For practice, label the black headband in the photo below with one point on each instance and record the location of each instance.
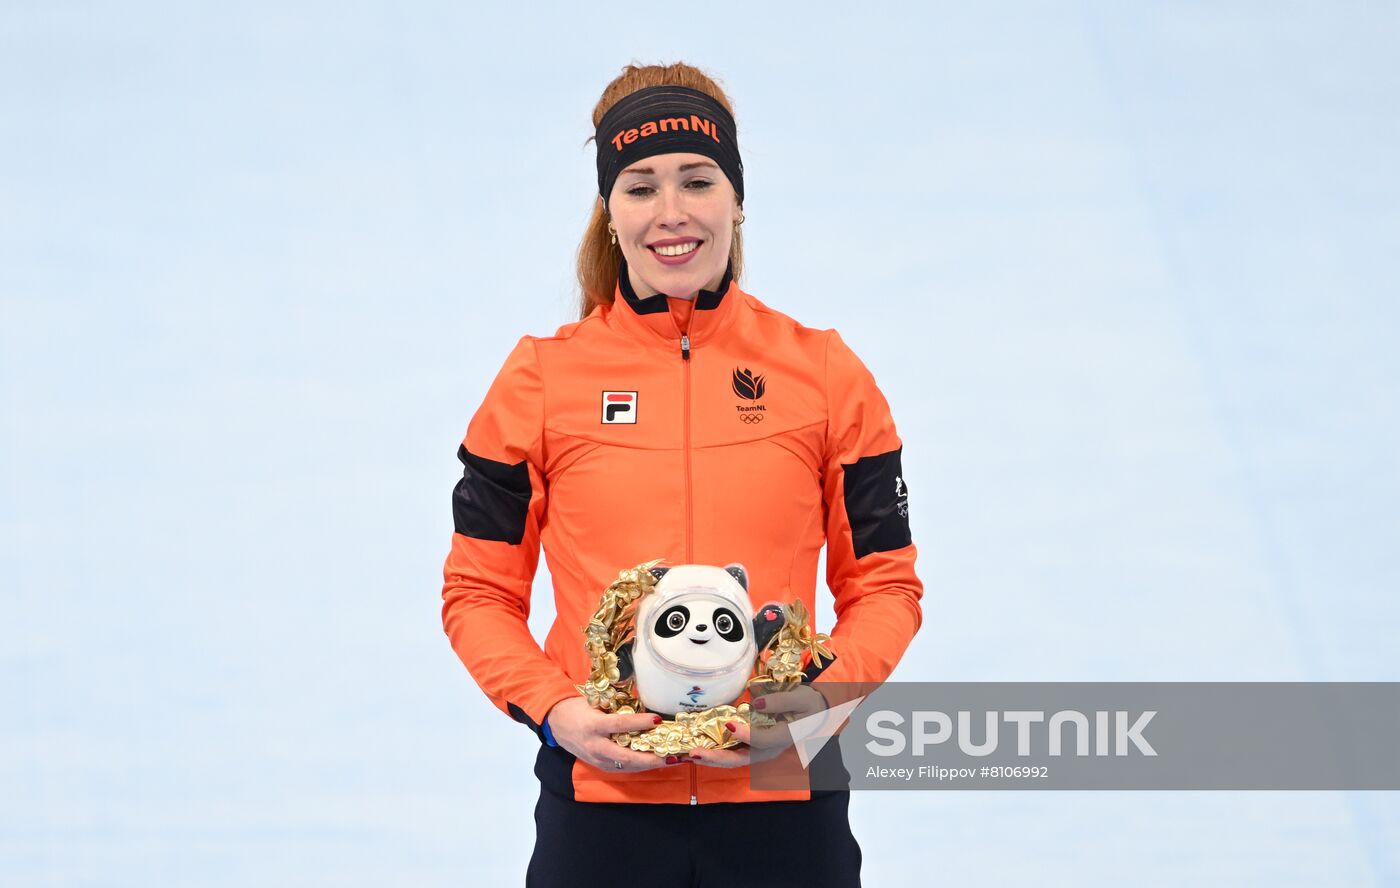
(666, 120)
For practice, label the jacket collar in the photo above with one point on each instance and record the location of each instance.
(651, 318)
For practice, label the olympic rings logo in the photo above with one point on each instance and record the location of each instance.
(751, 418)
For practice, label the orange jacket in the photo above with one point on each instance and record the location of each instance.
(706, 432)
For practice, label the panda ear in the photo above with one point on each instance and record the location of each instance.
(738, 572)
(658, 572)
(624, 661)
(767, 623)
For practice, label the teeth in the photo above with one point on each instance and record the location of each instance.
(677, 249)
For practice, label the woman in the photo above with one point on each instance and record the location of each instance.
(679, 418)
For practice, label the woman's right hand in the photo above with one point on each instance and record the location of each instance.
(583, 731)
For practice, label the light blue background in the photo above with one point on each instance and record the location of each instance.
(1126, 273)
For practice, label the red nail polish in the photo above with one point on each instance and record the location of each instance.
(656, 719)
(731, 727)
(760, 703)
(672, 759)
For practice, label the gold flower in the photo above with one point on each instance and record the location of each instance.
(607, 667)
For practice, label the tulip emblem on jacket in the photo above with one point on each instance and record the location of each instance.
(749, 387)
(746, 385)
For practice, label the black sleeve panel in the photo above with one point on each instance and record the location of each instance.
(813, 670)
(877, 503)
(519, 715)
(492, 499)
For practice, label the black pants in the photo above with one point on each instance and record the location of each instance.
(724, 845)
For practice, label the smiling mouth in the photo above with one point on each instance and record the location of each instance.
(676, 249)
(699, 641)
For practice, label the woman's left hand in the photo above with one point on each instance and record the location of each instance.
(766, 743)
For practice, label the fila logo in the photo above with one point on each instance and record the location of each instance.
(675, 124)
(619, 407)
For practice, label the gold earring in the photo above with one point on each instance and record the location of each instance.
(612, 231)
(740, 222)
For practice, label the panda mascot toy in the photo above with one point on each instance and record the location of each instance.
(696, 639)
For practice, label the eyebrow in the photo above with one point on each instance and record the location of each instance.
(648, 171)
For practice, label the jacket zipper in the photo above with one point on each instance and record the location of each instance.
(689, 504)
(689, 519)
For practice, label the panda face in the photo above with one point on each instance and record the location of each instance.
(701, 632)
(721, 621)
